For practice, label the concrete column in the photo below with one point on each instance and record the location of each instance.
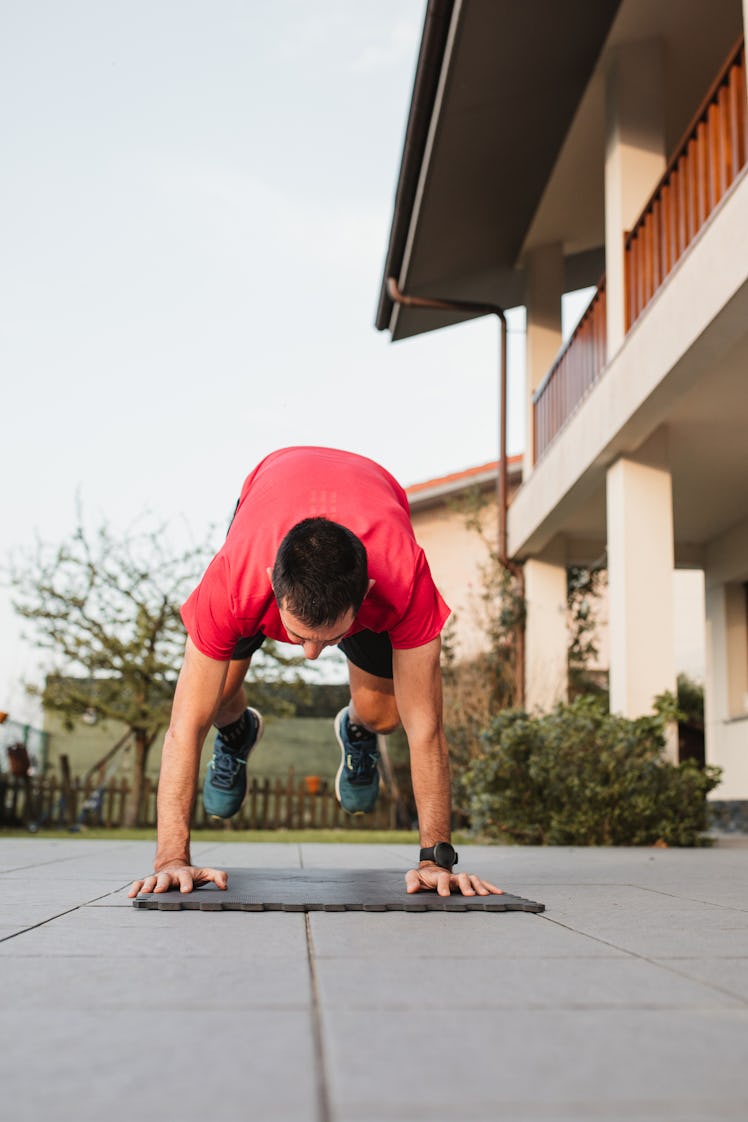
(546, 634)
(716, 705)
(635, 160)
(726, 686)
(545, 286)
(640, 578)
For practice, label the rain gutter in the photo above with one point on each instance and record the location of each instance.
(481, 309)
(436, 27)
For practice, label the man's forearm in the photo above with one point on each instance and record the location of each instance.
(418, 691)
(429, 767)
(176, 797)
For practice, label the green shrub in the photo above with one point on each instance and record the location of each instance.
(582, 776)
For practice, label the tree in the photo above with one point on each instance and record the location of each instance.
(476, 689)
(106, 607)
(584, 588)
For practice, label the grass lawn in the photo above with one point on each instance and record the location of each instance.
(307, 744)
(340, 837)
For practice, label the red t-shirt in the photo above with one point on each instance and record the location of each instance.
(235, 599)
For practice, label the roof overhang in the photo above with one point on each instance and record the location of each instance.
(462, 206)
(434, 492)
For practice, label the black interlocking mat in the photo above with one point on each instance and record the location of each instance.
(324, 890)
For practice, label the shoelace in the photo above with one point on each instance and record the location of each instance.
(225, 767)
(361, 761)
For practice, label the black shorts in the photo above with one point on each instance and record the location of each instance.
(368, 650)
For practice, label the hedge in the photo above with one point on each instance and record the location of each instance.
(582, 776)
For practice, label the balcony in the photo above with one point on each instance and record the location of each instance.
(706, 163)
(575, 371)
(710, 158)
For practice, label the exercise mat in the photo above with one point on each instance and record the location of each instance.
(324, 890)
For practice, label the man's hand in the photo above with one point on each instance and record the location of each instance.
(177, 875)
(430, 877)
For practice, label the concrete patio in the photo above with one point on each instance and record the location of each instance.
(626, 1001)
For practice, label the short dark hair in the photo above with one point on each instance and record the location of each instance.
(320, 572)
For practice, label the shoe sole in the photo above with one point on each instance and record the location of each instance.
(338, 723)
(260, 730)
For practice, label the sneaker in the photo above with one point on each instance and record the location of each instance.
(226, 778)
(357, 781)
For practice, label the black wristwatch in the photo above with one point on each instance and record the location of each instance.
(442, 854)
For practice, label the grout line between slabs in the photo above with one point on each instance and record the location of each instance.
(657, 962)
(323, 1094)
(58, 915)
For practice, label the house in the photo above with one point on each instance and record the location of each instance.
(440, 510)
(602, 144)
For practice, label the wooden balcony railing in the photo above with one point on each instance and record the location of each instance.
(576, 369)
(708, 160)
(711, 156)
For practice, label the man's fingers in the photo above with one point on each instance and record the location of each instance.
(476, 886)
(183, 877)
(444, 882)
(163, 881)
(412, 881)
(492, 889)
(218, 877)
(466, 884)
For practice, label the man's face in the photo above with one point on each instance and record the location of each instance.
(313, 640)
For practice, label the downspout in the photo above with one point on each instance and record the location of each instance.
(399, 297)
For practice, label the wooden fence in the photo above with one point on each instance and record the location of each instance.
(271, 804)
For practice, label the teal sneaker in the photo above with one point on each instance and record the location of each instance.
(357, 781)
(226, 778)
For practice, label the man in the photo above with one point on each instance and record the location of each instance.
(320, 552)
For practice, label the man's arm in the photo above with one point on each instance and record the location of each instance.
(418, 692)
(196, 700)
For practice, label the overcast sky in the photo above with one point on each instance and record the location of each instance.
(196, 200)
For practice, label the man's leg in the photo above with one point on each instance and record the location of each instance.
(373, 703)
(239, 730)
(372, 711)
(233, 701)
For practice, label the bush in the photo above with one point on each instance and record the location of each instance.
(582, 776)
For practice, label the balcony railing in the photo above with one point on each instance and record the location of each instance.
(708, 160)
(711, 156)
(576, 369)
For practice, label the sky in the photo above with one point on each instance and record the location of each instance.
(195, 207)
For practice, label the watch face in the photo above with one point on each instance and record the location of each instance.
(445, 855)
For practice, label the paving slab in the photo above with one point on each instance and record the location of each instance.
(627, 999)
(130, 933)
(154, 1065)
(510, 984)
(411, 936)
(647, 922)
(553, 1064)
(729, 975)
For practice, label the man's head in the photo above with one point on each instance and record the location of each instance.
(320, 573)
